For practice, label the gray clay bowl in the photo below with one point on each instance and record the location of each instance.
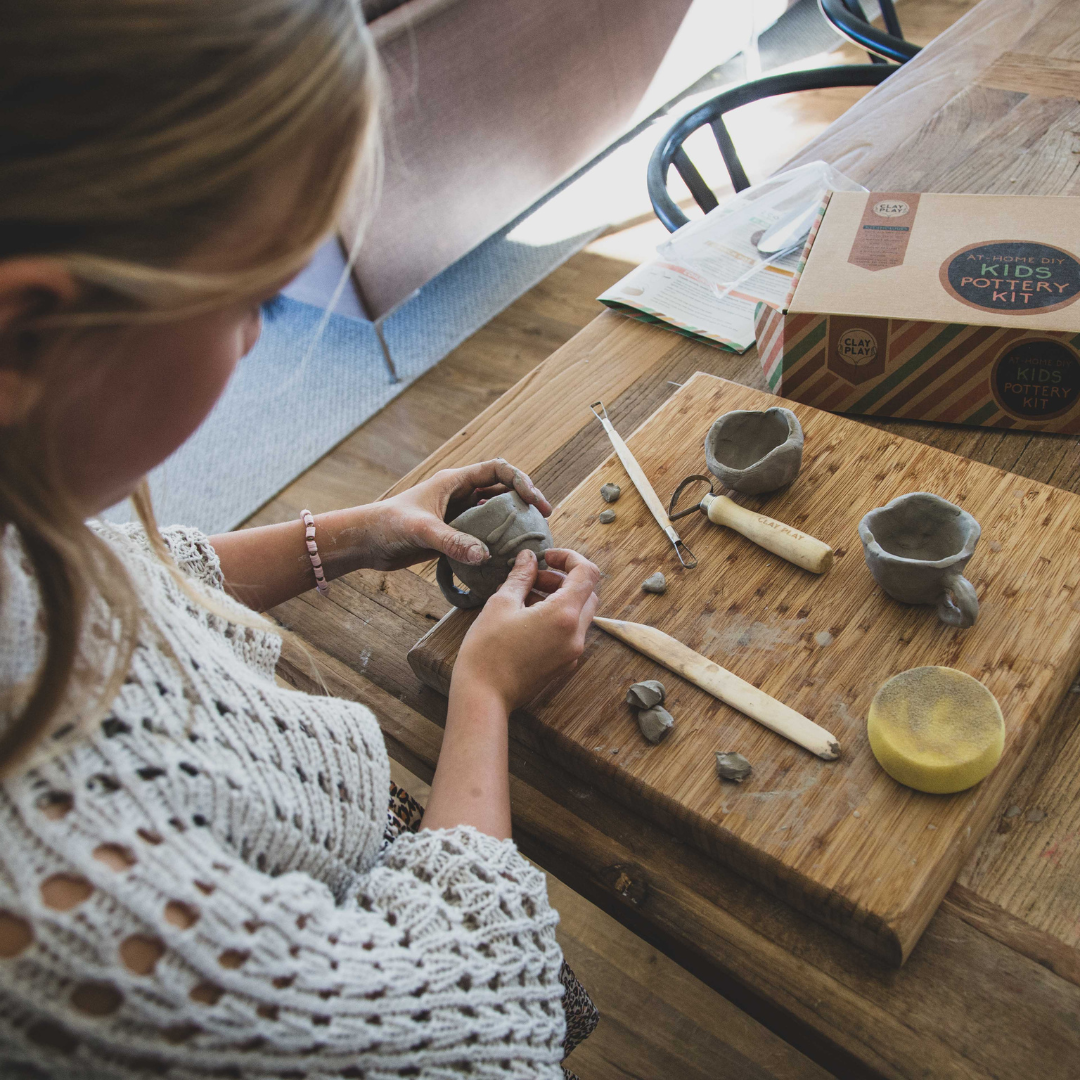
(916, 547)
(754, 452)
(506, 524)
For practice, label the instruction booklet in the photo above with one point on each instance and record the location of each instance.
(711, 275)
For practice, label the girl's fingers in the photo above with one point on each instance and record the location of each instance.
(497, 471)
(588, 610)
(549, 581)
(521, 579)
(561, 558)
(438, 536)
(582, 576)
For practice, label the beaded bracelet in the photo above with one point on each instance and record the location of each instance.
(313, 552)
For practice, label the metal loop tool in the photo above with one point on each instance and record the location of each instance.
(783, 540)
(696, 478)
(645, 489)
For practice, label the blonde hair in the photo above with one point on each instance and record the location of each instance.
(131, 133)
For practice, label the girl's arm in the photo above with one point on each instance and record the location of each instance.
(515, 647)
(265, 566)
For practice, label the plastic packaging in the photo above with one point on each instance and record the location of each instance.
(722, 248)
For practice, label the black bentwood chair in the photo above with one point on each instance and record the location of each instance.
(670, 149)
(848, 19)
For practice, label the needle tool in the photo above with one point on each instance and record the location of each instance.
(645, 489)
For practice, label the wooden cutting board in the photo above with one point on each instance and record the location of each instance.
(840, 840)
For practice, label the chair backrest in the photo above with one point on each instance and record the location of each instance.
(669, 151)
(849, 19)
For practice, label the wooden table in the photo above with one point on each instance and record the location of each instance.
(993, 987)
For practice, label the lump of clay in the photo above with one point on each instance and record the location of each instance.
(917, 547)
(506, 524)
(647, 694)
(655, 723)
(754, 452)
(936, 729)
(607, 517)
(610, 493)
(657, 583)
(732, 767)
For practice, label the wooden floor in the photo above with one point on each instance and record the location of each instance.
(658, 1021)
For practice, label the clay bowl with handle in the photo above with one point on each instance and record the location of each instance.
(917, 547)
(506, 523)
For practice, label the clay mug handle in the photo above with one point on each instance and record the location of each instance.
(444, 575)
(958, 606)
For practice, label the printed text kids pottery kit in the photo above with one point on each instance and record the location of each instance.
(960, 308)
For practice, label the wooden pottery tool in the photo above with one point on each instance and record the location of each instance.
(783, 540)
(645, 489)
(723, 684)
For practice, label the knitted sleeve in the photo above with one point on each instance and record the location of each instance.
(172, 955)
(191, 549)
(194, 554)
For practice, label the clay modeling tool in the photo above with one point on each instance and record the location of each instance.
(645, 489)
(783, 540)
(722, 684)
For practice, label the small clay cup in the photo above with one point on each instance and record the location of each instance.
(506, 524)
(754, 452)
(917, 547)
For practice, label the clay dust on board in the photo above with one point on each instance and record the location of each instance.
(742, 633)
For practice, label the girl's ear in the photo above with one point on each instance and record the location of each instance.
(29, 288)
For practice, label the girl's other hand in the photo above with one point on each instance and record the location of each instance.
(411, 527)
(522, 640)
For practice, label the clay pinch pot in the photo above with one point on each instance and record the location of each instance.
(917, 547)
(754, 452)
(506, 523)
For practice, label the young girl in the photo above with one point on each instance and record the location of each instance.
(191, 880)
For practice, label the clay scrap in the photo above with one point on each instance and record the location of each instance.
(607, 517)
(506, 524)
(732, 767)
(754, 452)
(610, 493)
(656, 583)
(655, 723)
(647, 694)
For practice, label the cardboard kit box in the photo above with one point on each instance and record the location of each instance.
(958, 308)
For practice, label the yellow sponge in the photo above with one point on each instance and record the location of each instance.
(936, 729)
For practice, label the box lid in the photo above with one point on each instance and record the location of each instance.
(991, 260)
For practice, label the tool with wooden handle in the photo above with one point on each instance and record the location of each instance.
(645, 489)
(783, 540)
(722, 684)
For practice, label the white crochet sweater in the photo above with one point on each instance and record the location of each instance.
(194, 887)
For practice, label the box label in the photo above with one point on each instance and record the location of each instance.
(1014, 276)
(857, 347)
(882, 237)
(1036, 379)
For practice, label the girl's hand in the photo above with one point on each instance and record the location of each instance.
(411, 527)
(266, 566)
(520, 641)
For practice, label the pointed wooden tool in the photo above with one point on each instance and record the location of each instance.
(722, 684)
